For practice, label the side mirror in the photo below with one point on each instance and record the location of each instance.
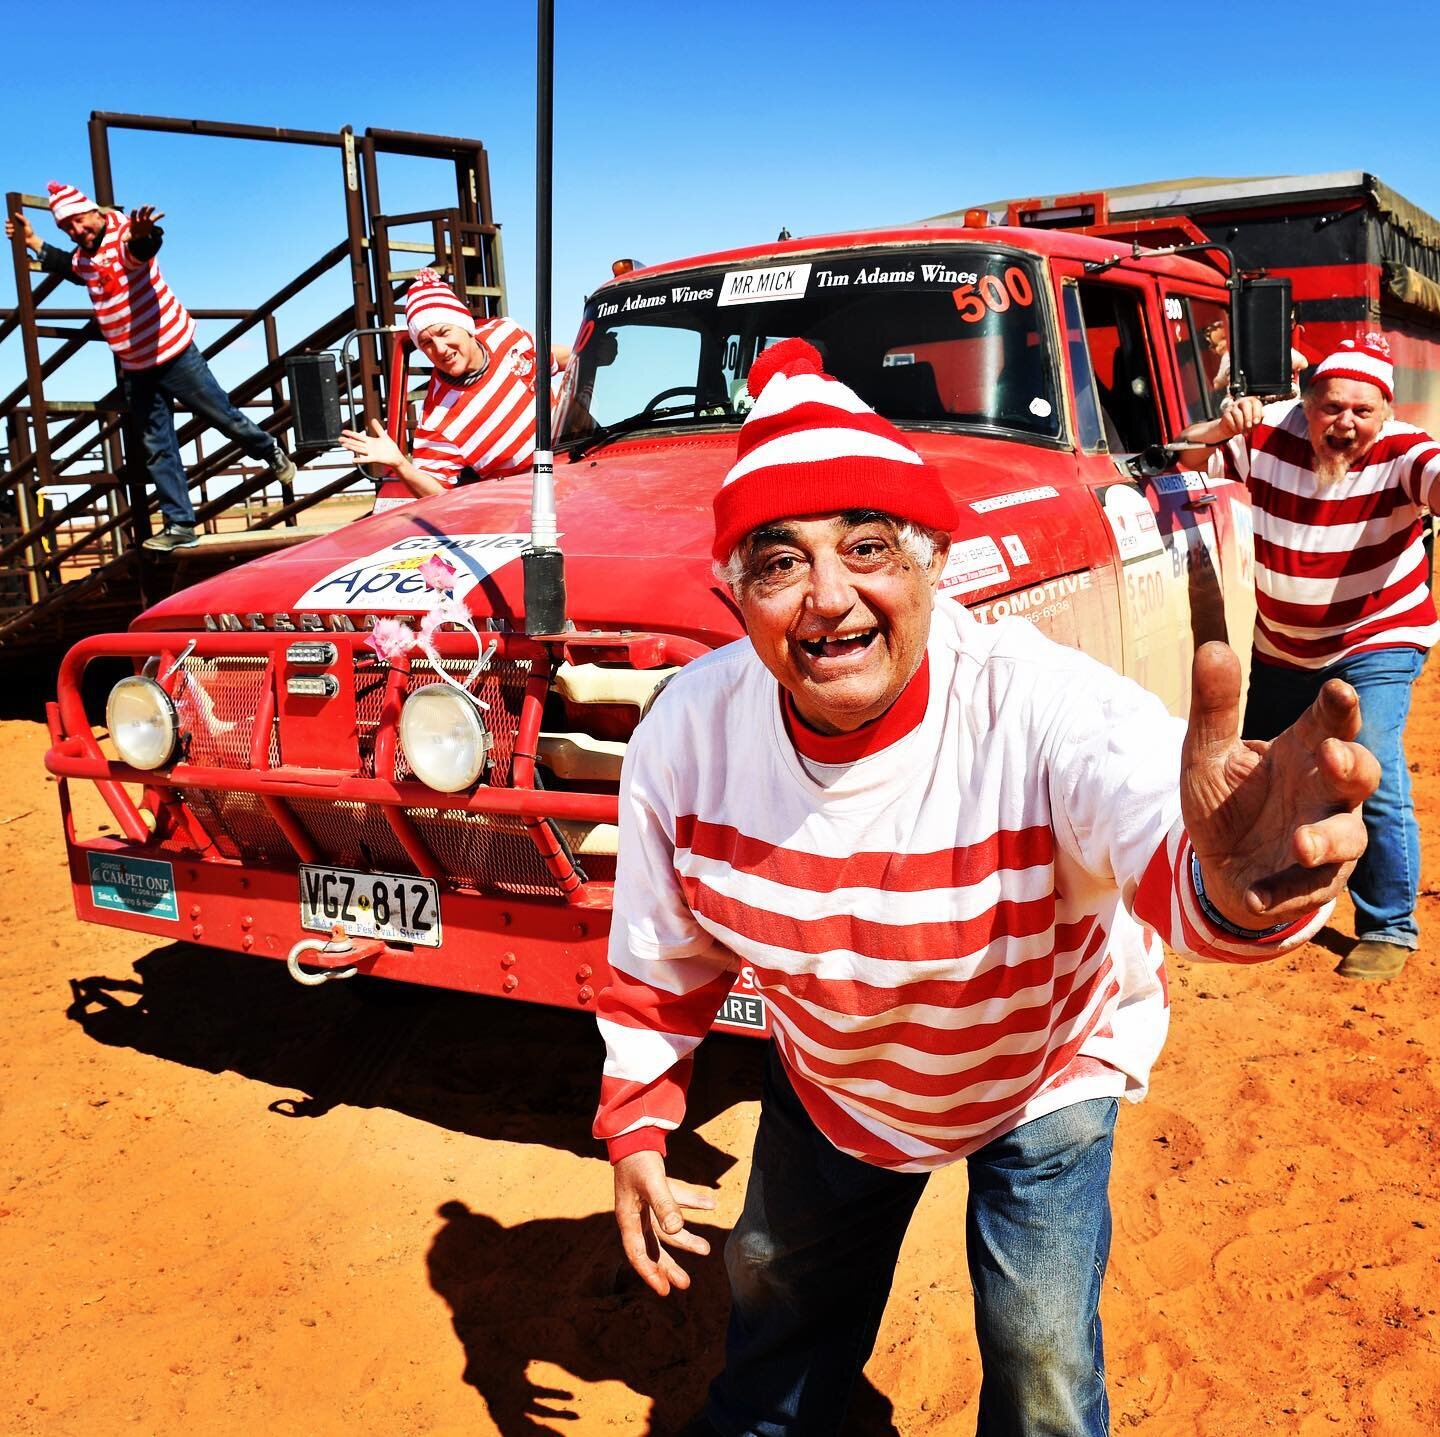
(314, 385)
(1260, 333)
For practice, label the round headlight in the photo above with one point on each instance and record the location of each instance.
(142, 723)
(443, 738)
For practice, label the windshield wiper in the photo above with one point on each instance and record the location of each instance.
(645, 419)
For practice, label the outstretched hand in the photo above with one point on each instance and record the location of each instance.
(376, 447)
(143, 221)
(647, 1208)
(1276, 826)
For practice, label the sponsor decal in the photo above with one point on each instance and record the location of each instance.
(743, 1010)
(973, 564)
(1015, 548)
(760, 286)
(1132, 523)
(1178, 483)
(1020, 496)
(606, 309)
(390, 577)
(143, 886)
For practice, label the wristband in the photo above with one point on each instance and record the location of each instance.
(1250, 935)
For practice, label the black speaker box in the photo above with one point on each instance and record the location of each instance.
(314, 385)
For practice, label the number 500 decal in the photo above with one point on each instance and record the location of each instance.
(992, 294)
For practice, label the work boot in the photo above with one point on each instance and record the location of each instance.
(282, 466)
(173, 536)
(1374, 960)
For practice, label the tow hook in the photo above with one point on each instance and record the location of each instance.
(336, 944)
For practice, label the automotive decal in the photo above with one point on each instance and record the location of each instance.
(1040, 602)
(1020, 496)
(973, 564)
(760, 286)
(390, 577)
(142, 886)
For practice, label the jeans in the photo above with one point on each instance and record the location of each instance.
(1386, 880)
(187, 380)
(813, 1256)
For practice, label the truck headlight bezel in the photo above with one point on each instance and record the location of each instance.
(443, 738)
(143, 724)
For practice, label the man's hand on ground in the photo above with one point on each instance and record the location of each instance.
(1276, 826)
(144, 220)
(647, 1208)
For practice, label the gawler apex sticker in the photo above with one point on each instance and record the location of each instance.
(390, 577)
(756, 286)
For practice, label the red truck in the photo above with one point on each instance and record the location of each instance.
(281, 790)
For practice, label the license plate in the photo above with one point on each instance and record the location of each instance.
(371, 905)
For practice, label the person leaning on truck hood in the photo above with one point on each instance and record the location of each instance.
(479, 411)
(1338, 489)
(948, 852)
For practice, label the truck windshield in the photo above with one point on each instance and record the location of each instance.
(948, 337)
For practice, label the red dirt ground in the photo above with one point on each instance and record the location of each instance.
(231, 1205)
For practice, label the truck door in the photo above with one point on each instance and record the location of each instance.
(1165, 545)
(1197, 331)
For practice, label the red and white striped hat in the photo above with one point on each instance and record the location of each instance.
(813, 446)
(66, 200)
(431, 301)
(1367, 359)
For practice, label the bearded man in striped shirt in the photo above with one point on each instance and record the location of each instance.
(153, 338)
(478, 420)
(943, 851)
(1339, 489)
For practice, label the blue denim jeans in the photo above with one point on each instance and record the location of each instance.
(1387, 878)
(187, 380)
(813, 1255)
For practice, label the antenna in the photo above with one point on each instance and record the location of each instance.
(543, 563)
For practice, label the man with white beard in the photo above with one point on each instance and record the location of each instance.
(1339, 488)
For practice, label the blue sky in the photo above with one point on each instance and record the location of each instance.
(681, 128)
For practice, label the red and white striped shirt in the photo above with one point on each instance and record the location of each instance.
(487, 426)
(138, 313)
(1339, 568)
(942, 926)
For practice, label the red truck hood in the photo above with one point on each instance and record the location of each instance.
(635, 524)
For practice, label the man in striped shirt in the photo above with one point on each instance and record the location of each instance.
(941, 852)
(478, 419)
(1339, 489)
(153, 338)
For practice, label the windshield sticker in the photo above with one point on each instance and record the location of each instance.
(994, 294)
(1040, 408)
(632, 302)
(1016, 549)
(1020, 496)
(974, 564)
(759, 286)
(390, 578)
(142, 886)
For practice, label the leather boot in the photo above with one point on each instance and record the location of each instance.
(1374, 960)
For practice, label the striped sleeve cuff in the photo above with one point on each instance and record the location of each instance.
(1169, 901)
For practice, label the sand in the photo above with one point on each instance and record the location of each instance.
(232, 1205)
